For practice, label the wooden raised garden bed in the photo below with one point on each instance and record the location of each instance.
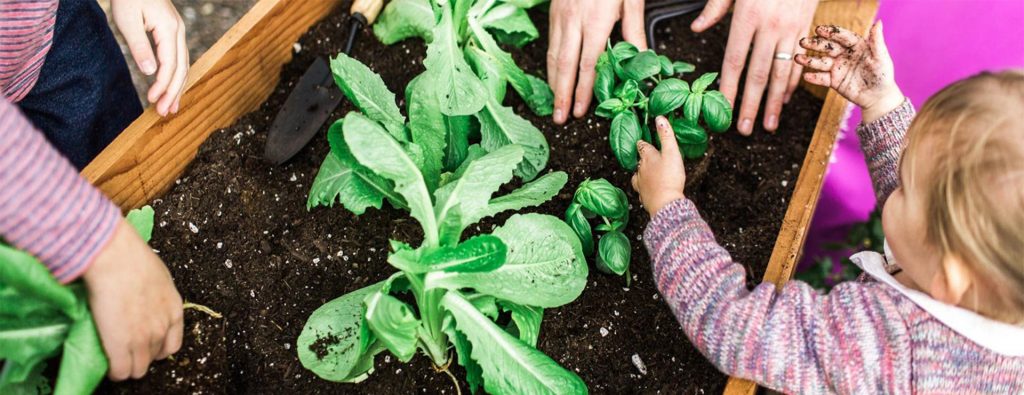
(242, 70)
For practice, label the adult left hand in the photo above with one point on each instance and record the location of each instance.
(774, 27)
(136, 20)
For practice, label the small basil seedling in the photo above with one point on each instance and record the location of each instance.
(600, 199)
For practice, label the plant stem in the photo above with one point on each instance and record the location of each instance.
(204, 309)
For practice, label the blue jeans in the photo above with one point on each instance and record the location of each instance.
(84, 96)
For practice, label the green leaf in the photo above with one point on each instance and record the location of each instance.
(602, 198)
(621, 52)
(509, 365)
(541, 100)
(329, 344)
(500, 126)
(83, 363)
(527, 320)
(457, 141)
(703, 82)
(623, 137)
(693, 141)
(26, 275)
(691, 109)
(366, 90)
(31, 380)
(644, 65)
(142, 220)
(545, 266)
(489, 70)
(428, 128)
(667, 69)
(535, 92)
(683, 67)
(579, 225)
(341, 178)
(478, 254)
(628, 92)
(393, 322)
(402, 19)
(510, 25)
(613, 253)
(533, 193)
(716, 111)
(378, 151)
(667, 96)
(448, 76)
(525, 4)
(484, 176)
(604, 82)
(609, 108)
(464, 350)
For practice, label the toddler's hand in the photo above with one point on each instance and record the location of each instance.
(138, 311)
(860, 70)
(135, 18)
(660, 176)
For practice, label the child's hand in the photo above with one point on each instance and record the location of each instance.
(860, 70)
(138, 311)
(660, 176)
(135, 18)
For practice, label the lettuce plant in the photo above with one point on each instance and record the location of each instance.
(599, 198)
(631, 83)
(452, 292)
(40, 318)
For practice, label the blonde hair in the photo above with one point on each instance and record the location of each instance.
(975, 196)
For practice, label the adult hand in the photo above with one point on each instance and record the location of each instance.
(660, 176)
(137, 310)
(774, 28)
(136, 20)
(579, 32)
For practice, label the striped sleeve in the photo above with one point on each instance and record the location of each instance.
(26, 32)
(793, 340)
(883, 141)
(46, 208)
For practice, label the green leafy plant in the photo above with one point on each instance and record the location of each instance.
(599, 198)
(457, 97)
(631, 85)
(863, 236)
(40, 318)
(482, 296)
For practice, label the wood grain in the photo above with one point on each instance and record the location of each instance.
(856, 15)
(231, 79)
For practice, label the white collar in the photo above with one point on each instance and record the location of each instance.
(999, 337)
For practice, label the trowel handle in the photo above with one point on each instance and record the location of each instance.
(368, 8)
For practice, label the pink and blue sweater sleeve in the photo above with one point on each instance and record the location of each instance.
(793, 339)
(46, 208)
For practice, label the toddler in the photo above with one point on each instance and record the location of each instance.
(940, 312)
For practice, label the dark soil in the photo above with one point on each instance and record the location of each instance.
(237, 236)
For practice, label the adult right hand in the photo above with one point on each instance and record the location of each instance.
(137, 310)
(579, 31)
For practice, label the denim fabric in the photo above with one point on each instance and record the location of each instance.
(84, 97)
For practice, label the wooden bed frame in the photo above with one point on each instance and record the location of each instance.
(238, 73)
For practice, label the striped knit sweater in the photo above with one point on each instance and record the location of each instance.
(46, 208)
(862, 337)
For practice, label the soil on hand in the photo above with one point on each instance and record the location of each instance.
(238, 238)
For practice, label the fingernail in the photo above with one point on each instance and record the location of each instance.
(773, 122)
(578, 110)
(699, 22)
(148, 67)
(662, 122)
(175, 108)
(786, 100)
(745, 125)
(559, 115)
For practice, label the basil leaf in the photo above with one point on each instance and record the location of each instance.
(613, 253)
(683, 67)
(716, 111)
(608, 108)
(693, 141)
(667, 96)
(667, 69)
(644, 65)
(578, 222)
(602, 198)
(703, 82)
(623, 137)
(628, 92)
(691, 109)
(604, 83)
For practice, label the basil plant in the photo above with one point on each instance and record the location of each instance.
(632, 85)
(600, 199)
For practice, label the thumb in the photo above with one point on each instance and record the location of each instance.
(669, 145)
(713, 12)
(878, 40)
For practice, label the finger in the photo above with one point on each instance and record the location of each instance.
(736, 49)
(566, 67)
(172, 342)
(819, 78)
(821, 44)
(134, 32)
(878, 41)
(554, 40)
(846, 38)
(815, 63)
(794, 74)
(779, 82)
(758, 75)
(713, 12)
(165, 38)
(174, 90)
(593, 44)
(633, 23)
(646, 151)
(140, 360)
(669, 145)
(636, 182)
(120, 362)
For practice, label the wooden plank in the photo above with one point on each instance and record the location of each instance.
(232, 78)
(856, 15)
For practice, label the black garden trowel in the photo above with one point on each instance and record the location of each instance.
(314, 97)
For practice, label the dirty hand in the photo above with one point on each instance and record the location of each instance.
(578, 35)
(860, 70)
(137, 310)
(137, 18)
(660, 176)
(774, 28)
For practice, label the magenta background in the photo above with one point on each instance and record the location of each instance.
(933, 43)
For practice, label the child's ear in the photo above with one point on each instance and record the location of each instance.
(952, 280)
